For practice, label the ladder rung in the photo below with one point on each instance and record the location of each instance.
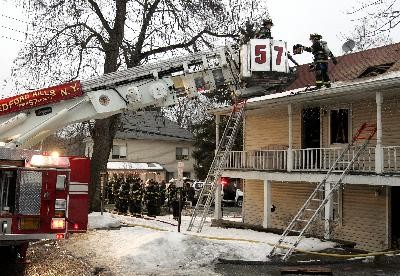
(295, 231)
(316, 199)
(302, 220)
(310, 210)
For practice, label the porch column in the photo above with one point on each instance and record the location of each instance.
(378, 148)
(328, 211)
(218, 198)
(267, 204)
(290, 142)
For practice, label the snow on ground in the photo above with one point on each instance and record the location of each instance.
(151, 247)
(105, 221)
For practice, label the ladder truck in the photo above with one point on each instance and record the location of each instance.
(45, 196)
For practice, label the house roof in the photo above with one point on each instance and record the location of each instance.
(151, 125)
(352, 65)
(345, 78)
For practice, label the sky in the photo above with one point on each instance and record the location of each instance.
(293, 22)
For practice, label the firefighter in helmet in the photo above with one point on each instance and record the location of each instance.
(135, 196)
(151, 198)
(173, 199)
(265, 29)
(116, 184)
(321, 53)
(123, 196)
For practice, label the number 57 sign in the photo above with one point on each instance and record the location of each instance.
(268, 55)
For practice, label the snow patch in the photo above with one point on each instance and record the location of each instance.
(141, 249)
(105, 221)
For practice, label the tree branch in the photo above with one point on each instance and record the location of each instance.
(185, 44)
(98, 12)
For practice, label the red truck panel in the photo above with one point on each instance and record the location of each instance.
(78, 205)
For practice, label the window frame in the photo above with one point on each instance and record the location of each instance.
(119, 156)
(349, 125)
(183, 157)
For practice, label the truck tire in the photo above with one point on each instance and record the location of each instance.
(239, 202)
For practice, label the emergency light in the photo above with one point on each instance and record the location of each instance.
(48, 161)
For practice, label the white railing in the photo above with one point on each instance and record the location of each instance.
(391, 157)
(257, 160)
(313, 159)
(321, 159)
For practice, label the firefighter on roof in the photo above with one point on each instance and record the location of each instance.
(321, 54)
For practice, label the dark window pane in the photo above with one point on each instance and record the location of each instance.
(340, 126)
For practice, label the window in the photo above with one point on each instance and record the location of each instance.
(339, 126)
(186, 174)
(182, 153)
(375, 70)
(118, 152)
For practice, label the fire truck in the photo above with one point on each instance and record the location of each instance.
(46, 196)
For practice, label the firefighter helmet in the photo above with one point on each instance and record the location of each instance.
(315, 36)
(268, 22)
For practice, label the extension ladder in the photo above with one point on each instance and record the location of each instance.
(308, 212)
(207, 193)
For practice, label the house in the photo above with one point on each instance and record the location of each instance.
(292, 138)
(148, 140)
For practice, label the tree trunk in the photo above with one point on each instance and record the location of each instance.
(103, 136)
(105, 129)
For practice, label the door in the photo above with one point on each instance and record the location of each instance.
(311, 136)
(78, 194)
(395, 217)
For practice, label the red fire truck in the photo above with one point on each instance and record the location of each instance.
(46, 196)
(41, 197)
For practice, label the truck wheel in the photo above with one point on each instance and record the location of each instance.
(239, 202)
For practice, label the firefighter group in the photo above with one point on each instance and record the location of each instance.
(130, 194)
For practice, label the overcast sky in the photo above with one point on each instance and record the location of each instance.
(293, 22)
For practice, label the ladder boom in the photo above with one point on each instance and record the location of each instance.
(158, 84)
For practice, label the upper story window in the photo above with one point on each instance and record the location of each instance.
(339, 126)
(118, 152)
(182, 153)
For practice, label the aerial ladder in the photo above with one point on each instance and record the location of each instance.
(27, 119)
(320, 197)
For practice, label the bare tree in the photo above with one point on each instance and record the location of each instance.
(375, 20)
(82, 38)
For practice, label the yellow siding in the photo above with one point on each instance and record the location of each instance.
(365, 111)
(253, 205)
(288, 199)
(364, 217)
(268, 129)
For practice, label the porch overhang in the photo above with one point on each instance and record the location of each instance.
(373, 179)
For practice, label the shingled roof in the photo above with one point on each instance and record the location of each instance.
(151, 125)
(352, 66)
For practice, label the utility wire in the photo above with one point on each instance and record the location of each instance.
(13, 18)
(12, 29)
(10, 38)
